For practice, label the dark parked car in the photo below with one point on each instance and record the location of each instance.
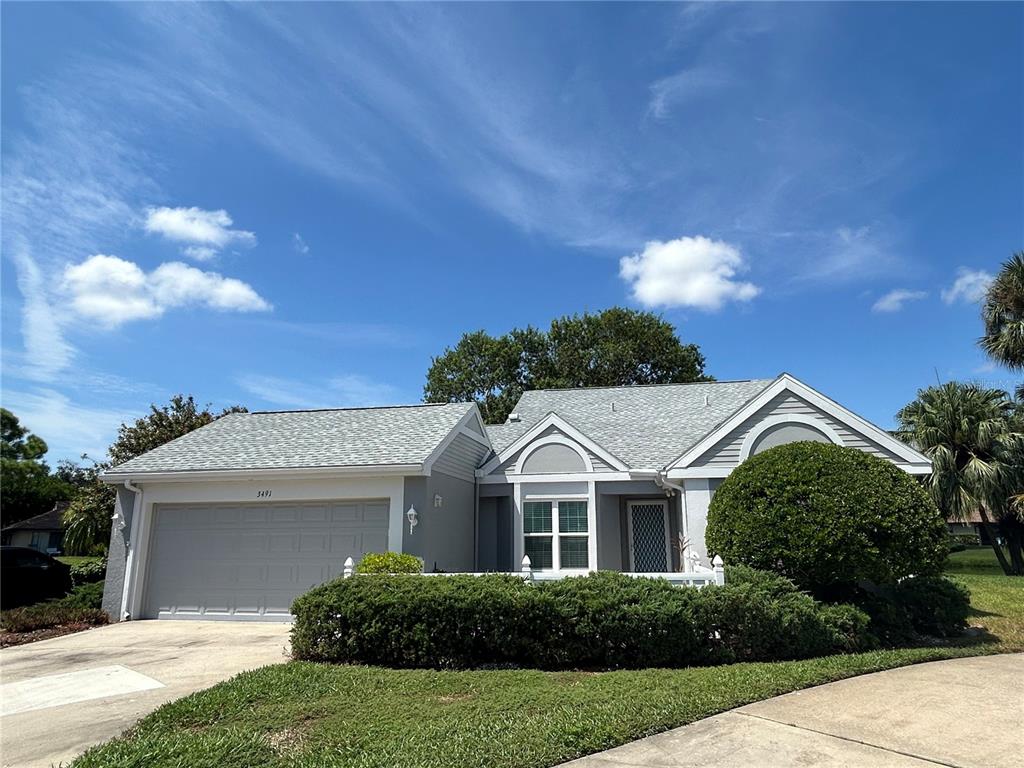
(30, 577)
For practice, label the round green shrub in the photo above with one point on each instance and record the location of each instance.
(389, 562)
(826, 517)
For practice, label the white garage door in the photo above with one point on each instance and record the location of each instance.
(250, 561)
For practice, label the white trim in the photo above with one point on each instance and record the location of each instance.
(569, 477)
(556, 534)
(552, 419)
(458, 429)
(629, 527)
(476, 437)
(199, 475)
(556, 496)
(783, 418)
(699, 472)
(592, 525)
(787, 383)
(553, 440)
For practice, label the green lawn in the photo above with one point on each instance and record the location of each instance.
(305, 714)
(74, 560)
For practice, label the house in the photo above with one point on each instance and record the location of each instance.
(972, 525)
(237, 518)
(44, 532)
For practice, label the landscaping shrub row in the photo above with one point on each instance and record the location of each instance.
(600, 621)
(80, 606)
(88, 572)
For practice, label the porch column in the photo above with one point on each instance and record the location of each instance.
(517, 525)
(695, 506)
(592, 524)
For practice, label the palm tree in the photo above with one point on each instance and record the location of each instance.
(968, 432)
(1003, 313)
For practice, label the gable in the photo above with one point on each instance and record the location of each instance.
(810, 422)
(552, 457)
(461, 458)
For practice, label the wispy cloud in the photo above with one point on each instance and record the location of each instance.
(894, 300)
(669, 93)
(342, 391)
(299, 245)
(687, 272)
(969, 286)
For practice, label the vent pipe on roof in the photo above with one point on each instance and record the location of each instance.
(705, 401)
(514, 418)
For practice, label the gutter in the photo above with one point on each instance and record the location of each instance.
(129, 565)
(117, 478)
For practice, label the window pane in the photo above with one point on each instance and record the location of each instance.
(538, 549)
(537, 517)
(572, 551)
(572, 516)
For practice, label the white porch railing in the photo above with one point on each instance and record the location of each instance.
(697, 578)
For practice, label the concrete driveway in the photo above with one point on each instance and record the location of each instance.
(961, 713)
(61, 696)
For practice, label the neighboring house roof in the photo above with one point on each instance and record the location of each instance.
(347, 437)
(646, 426)
(974, 518)
(48, 521)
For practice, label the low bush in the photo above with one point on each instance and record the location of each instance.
(827, 517)
(603, 620)
(917, 608)
(389, 562)
(88, 572)
(82, 605)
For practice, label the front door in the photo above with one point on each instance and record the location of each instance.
(648, 536)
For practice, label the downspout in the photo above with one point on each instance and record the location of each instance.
(129, 568)
(662, 481)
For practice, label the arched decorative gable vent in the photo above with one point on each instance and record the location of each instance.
(552, 455)
(787, 428)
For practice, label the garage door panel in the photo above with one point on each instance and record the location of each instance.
(224, 561)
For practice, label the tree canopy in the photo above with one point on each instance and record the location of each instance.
(610, 348)
(973, 436)
(1003, 314)
(28, 488)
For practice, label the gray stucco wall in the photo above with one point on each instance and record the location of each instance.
(444, 536)
(494, 551)
(117, 555)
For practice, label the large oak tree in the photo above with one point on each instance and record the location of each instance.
(615, 347)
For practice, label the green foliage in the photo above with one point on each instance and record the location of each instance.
(826, 516)
(89, 571)
(389, 562)
(1003, 314)
(161, 425)
(975, 440)
(603, 620)
(614, 347)
(87, 518)
(28, 488)
(80, 606)
(922, 606)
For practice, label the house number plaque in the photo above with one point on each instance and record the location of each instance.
(263, 494)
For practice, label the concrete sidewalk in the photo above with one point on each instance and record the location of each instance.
(60, 696)
(963, 713)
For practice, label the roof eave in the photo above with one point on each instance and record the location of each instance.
(114, 477)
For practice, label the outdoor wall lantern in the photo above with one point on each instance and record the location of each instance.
(438, 501)
(413, 517)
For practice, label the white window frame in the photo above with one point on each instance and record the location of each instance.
(556, 533)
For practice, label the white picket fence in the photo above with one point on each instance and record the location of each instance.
(698, 577)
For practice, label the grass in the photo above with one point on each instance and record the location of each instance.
(305, 714)
(74, 560)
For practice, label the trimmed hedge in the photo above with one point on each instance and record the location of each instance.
(88, 572)
(924, 606)
(389, 562)
(827, 517)
(600, 621)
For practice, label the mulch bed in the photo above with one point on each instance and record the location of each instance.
(8, 639)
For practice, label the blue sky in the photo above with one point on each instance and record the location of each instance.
(295, 205)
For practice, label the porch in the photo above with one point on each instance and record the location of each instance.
(631, 526)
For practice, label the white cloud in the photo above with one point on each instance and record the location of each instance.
(200, 252)
(112, 291)
(894, 300)
(68, 428)
(207, 231)
(969, 287)
(299, 244)
(343, 391)
(687, 272)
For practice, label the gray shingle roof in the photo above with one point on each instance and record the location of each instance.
(647, 427)
(351, 437)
